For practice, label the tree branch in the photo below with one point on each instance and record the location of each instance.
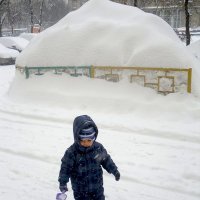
(1, 2)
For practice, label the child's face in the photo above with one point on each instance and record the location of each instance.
(86, 143)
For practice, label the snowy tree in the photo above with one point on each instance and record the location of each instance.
(3, 13)
(53, 12)
(35, 10)
(13, 15)
(42, 12)
(187, 22)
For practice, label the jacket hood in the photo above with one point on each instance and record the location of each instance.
(82, 122)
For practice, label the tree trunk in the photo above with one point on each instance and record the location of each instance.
(0, 30)
(1, 2)
(135, 3)
(2, 15)
(31, 14)
(41, 11)
(187, 23)
(2, 19)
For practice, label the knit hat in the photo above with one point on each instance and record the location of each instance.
(87, 133)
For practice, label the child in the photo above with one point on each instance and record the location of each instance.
(82, 162)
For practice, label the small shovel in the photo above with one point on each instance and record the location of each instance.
(61, 196)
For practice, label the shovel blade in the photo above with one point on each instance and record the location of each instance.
(61, 196)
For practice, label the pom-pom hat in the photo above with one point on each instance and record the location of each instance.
(87, 133)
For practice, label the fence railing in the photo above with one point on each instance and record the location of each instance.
(163, 80)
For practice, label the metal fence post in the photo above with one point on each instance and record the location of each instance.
(189, 82)
(26, 72)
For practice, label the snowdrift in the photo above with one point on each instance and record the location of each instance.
(104, 33)
(97, 96)
(194, 48)
(28, 36)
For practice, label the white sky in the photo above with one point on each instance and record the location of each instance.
(154, 139)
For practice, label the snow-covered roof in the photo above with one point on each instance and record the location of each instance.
(14, 42)
(7, 53)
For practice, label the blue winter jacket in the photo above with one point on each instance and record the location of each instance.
(83, 164)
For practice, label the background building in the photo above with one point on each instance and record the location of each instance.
(172, 11)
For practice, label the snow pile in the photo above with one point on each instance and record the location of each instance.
(99, 96)
(78, 92)
(7, 53)
(105, 33)
(194, 48)
(28, 36)
(14, 42)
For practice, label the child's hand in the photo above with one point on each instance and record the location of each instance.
(117, 176)
(63, 188)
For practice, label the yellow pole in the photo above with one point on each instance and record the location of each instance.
(93, 69)
(189, 82)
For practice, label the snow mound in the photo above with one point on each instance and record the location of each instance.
(96, 95)
(28, 36)
(194, 48)
(104, 33)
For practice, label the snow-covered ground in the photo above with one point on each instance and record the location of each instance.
(154, 139)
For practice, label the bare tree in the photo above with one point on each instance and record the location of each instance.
(135, 3)
(41, 11)
(1, 2)
(35, 12)
(31, 14)
(39, 18)
(13, 14)
(125, 2)
(187, 23)
(3, 13)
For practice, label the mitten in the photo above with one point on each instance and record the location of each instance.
(117, 175)
(63, 188)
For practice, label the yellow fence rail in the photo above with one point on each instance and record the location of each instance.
(163, 80)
